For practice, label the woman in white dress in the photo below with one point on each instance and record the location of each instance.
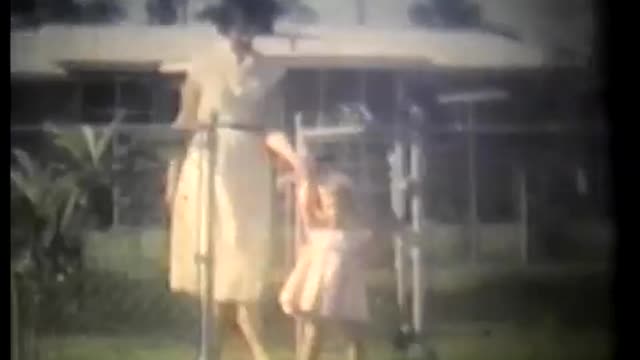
(235, 87)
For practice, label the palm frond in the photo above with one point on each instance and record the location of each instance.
(104, 140)
(26, 177)
(25, 162)
(70, 141)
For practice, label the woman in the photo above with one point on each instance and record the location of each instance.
(232, 87)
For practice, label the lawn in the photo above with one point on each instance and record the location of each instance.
(508, 344)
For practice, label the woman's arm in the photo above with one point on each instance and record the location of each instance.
(279, 146)
(186, 120)
(171, 182)
(189, 103)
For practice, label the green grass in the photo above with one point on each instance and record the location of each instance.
(542, 342)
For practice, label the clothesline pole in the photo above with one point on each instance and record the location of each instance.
(298, 231)
(205, 252)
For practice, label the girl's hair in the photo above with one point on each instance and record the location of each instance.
(340, 187)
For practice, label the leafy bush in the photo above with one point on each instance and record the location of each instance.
(50, 212)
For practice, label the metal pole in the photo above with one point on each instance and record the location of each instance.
(198, 258)
(298, 231)
(115, 189)
(205, 255)
(524, 216)
(471, 161)
(398, 190)
(416, 226)
(398, 194)
(416, 264)
(399, 252)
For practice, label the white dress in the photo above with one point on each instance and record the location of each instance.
(328, 280)
(244, 95)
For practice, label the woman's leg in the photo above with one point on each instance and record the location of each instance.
(223, 315)
(248, 318)
(312, 338)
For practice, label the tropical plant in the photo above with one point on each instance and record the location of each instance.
(49, 216)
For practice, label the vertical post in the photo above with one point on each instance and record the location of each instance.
(205, 252)
(417, 227)
(115, 190)
(298, 231)
(472, 191)
(524, 216)
(399, 255)
(398, 192)
(209, 249)
(416, 262)
(199, 260)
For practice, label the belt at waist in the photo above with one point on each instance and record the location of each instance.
(233, 126)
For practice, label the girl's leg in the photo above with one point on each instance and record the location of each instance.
(355, 350)
(312, 339)
(250, 323)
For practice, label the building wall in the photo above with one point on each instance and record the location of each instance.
(551, 160)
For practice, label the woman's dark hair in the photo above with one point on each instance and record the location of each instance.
(246, 16)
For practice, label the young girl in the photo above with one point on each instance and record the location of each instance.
(326, 286)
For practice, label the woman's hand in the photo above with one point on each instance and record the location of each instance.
(285, 156)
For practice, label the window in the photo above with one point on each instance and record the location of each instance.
(165, 101)
(380, 95)
(34, 102)
(343, 87)
(447, 180)
(99, 96)
(497, 198)
(132, 96)
(302, 94)
(135, 95)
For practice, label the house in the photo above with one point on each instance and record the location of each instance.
(90, 73)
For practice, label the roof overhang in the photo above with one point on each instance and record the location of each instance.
(55, 49)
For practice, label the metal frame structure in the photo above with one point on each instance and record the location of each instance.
(406, 165)
(407, 182)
